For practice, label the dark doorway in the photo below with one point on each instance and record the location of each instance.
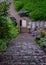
(20, 23)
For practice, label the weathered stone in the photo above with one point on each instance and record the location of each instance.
(44, 44)
(25, 52)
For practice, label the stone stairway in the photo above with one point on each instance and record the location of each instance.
(23, 51)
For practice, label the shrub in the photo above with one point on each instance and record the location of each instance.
(37, 8)
(42, 33)
(4, 6)
(18, 5)
(7, 29)
(4, 28)
(13, 30)
(41, 41)
(3, 44)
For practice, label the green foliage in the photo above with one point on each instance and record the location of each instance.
(3, 21)
(13, 30)
(3, 8)
(3, 28)
(41, 41)
(7, 31)
(37, 8)
(3, 44)
(7, 28)
(18, 5)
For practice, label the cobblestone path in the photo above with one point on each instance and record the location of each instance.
(23, 51)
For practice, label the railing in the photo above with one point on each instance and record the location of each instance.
(39, 25)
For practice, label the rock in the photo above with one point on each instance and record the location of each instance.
(44, 44)
(36, 51)
(1, 58)
(35, 33)
(37, 38)
(36, 59)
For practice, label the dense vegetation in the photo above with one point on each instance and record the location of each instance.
(7, 28)
(37, 8)
(41, 40)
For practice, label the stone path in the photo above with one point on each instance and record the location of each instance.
(13, 13)
(23, 51)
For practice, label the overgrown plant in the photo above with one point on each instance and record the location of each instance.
(7, 29)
